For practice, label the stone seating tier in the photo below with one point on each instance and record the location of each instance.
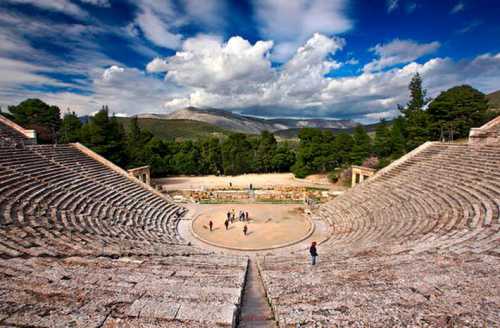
(418, 245)
(83, 246)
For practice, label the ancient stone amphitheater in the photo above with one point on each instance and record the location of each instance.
(84, 245)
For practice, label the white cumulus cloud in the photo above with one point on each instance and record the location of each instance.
(291, 23)
(399, 52)
(206, 62)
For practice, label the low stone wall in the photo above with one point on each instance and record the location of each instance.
(284, 194)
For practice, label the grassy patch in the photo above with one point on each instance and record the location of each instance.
(316, 189)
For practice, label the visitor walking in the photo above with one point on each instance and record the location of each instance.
(226, 224)
(210, 224)
(314, 253)
(245, 230)
(246, 216)
(228, 215)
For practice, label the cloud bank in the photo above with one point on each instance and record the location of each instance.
(296, 67)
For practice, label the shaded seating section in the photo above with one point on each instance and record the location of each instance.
(418, 245)
(63, 187)
(83, 246)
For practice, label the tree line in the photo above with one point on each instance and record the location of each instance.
(447, 117)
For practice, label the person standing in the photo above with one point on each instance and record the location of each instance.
(246, 216)
(245, 230)
(314, 253)
(226, 224)
(210, 224)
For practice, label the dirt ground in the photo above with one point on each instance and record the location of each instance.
(270, 180)
(268, 226)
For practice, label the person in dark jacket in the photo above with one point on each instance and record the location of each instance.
(245, 230)
(314, 253)
(226, 223)
(210, 224)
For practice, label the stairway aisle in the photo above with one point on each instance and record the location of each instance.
(255, 310)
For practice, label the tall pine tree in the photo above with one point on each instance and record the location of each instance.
(417, 120)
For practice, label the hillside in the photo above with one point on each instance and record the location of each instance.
(293, 133)
(246, 124)
(494, 99)
(185, 129)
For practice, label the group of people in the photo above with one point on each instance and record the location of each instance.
(243, 216)
(231, 217)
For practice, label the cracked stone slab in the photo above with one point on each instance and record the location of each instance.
(221, 315)
(153, 308)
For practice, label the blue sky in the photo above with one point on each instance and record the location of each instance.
(271, 58)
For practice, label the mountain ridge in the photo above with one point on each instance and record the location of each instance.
(494, 99)
(247, 124)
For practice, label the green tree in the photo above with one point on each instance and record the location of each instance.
(308, 151)
(361, 148)
(418, 95)
(187, 159)
(265, 152)
(398, 142)
(417, 119)
(456, 110)
(283, 158)
(106, 136)
(316, 152)
(418, 128)
(211, 155)
(382, 140)
(37, 115)
(70, 128)
(236, 154)
(342, 147)
(136, 142)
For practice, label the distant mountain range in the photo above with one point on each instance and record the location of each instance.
(195, 122)
(246, 124)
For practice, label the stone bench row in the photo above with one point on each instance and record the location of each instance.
(34, 186)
